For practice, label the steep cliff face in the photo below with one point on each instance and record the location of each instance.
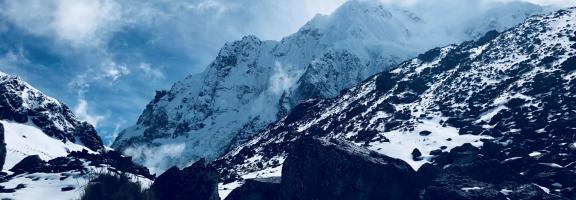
(252, 83)
(37, 124)
(514, 92)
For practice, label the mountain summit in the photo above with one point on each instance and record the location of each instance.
(252, 83)
(505, 99)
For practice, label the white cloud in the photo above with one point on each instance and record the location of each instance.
(117, 128)
(158, 158)
(75, 22)
(283, 78)
(85, 21)
(151, 72)
(555, 2)
(81, 111)
(113, 71)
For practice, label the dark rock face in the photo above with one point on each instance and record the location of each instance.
(28, 164)
(467, 172)
(335, 169)
(199, 181)
(77, 160)
(2, 147)
(22, 103)
(256, 189)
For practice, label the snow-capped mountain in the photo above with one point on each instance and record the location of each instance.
(36, 124)
(513, 92)
(252, 83)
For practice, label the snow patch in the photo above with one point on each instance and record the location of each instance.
(402, 143)
(23, 140)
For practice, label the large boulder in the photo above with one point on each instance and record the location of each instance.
(2, 147)
(335, 169)
(196, 182)
(256, 189)
(28, 164)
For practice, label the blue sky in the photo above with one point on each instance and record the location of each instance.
(106, 58)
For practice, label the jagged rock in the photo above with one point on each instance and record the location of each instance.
(453, 187)
(427, 173)
(78, 160)
(491, 171)
(416, 155)
(20, 102)
(257, 189)
(28, 164)
(198, 181)
(2, 147)
(334, 169)
(67, 188)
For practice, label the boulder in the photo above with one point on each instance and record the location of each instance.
(196, 182)
(427, 173)
(455, 187)
(256, 189)
(2, 147)
(416, 155)
(335, 169)
(28, 164)
(490, 171)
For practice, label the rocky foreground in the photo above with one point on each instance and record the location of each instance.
(332, 169)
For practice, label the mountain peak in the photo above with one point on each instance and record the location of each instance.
(252, 83)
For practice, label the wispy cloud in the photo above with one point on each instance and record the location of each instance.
(283, 78)
(114, 53)
(149, 71)
(158, 158)
(81, 111)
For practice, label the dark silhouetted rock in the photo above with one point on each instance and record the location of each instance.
(196, 182)
(453, 187)
(335, 169)
(425, 133)
(2, 147)
(257, 189)
(428, 172)
(416, 155)
(490, 171)
(28, 164)
(78, 160)
(67, 188)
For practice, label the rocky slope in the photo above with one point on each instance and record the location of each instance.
(48, 151)
(252, 83)
(510, 93)
(35, 124)
(66, 177)
(335, 169)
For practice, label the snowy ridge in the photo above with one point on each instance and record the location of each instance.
(511, 88)
(252, 83)
(36, 124)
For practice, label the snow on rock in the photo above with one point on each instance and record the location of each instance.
(506, 90)
(401, 143)
(23, 140)
(252, 83)
(22, 103)
(61, 186)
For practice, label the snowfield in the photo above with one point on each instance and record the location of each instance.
(23, 140)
